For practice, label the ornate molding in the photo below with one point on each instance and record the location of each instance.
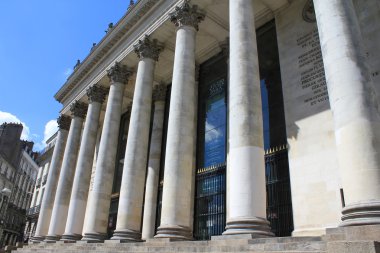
(119, 73)
(78, 109)
(126, 24)
(187, 15)
(225, 46)
(96, 93)
(308, 13)
(148, 48)
(64, 122)
(159, 92)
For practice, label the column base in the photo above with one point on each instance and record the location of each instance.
(257, 227)
(361, 214)
(94, 237)
(38, 238)
(174, 232)
(126, 235)
(71, 237)
(52, 238)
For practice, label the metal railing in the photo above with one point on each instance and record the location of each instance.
(34, 210)
(210, 202)
(279, 201)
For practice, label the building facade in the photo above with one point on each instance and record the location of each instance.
(202, 118)
(18, 174)
(43, 160)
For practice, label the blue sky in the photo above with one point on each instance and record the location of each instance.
(40, 42)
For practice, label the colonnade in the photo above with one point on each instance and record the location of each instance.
(63, 212)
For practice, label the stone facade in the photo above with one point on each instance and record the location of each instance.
(278, 127)
(43, 160)
(18, 173)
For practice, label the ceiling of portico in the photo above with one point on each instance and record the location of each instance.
(212, 31)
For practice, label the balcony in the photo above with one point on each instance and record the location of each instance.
(34, 210)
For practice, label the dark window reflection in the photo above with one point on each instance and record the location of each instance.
(214, 123)
(210, 203)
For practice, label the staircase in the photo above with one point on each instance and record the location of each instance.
(364, 239)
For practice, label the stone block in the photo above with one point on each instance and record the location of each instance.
(358, 233)
(353, 247)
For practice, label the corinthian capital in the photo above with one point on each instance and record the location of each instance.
(78, 109)
(96, 93)
(159, 92)
(148, 48)
(119, 73)
(187, 15)
(64, 122)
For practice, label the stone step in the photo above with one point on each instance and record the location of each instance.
(163, 249)
(309, 246)
(263, 245)
(286, 239)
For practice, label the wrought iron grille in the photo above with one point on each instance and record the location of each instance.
(159, 204)
(210, 202)
(279, 201)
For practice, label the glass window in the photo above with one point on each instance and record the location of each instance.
(214, 120)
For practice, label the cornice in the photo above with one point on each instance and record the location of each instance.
(118, 52)
(132, 16)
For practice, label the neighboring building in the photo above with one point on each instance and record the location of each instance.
(18, 174)
(248, 117)
(43, 160)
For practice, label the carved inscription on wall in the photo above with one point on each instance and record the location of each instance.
(312, 78)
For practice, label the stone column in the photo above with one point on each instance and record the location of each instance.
(132, 185)
(153, 172)
(179, 170)
(65, 182)
(78, 201)
(355, 110)
(52, 180)
(246, 193)
(96, 217)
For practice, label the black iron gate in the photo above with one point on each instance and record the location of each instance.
(279, 200)
(210, 202)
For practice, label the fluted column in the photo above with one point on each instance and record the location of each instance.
(65, 182)
(96, 217)
(78, 201)
(132, 185)
(153, 172)
(179, 170)
(246, 194)
(52, 180)
(355, 110)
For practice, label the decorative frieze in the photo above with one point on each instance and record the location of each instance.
(119, 73)
(96, 93)
(187, 15)
(64, 122)
(147, 48)
(78, 109)
(159, 92)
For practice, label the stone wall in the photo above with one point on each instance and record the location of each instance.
(368, 13)
(314, 175)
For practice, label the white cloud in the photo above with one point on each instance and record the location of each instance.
(50, 128)
(10, 118)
